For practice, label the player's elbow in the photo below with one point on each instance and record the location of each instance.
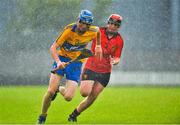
(117, 60)
(116, 63)
(53, 47)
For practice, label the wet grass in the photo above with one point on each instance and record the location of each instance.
(123, 105)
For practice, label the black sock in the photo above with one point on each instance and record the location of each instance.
(75, 113)
(44, 115)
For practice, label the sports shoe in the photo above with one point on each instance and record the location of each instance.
(72, 118)
(41, 119)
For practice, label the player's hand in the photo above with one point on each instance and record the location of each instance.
(114, 61)
(98, 51)
(61, 65)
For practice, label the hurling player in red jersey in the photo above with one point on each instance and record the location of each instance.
(96, 72)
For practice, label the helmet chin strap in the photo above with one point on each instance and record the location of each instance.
(111, 32)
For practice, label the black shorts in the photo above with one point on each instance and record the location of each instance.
(102, 78)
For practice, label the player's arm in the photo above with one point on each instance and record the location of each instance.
(54, 54)
(98, 49)
(53, 49)
(115, 58)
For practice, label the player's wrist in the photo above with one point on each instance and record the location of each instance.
(98, 46)
(58, 61)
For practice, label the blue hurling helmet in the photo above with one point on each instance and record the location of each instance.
(86, 16)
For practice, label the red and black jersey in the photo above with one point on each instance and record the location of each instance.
(110, 47)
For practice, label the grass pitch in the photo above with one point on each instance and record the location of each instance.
(122, 105)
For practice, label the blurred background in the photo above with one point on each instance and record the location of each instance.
(150, 28)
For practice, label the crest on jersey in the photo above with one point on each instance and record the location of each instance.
(113, 49)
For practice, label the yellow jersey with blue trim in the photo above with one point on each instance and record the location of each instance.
(71, 43)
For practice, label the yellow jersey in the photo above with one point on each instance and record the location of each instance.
(71, 42)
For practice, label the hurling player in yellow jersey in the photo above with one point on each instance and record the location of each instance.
(71, 41)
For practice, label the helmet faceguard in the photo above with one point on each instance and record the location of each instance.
(116, 20)
(85, 17)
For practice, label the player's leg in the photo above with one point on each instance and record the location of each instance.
(69, 90)
(88, 78)
(96, 90)
(53, 85)
(71, 86)
(86, 87)
(60, 89)
(88, 101)
(101, 81)
(73, 72)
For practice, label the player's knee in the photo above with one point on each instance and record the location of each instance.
(67, 97)
(51, 91)
(84, 93)
(50, 94)
(85, 88)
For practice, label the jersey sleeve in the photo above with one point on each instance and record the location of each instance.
(95, 30)
(118, 50)
(62, 37)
